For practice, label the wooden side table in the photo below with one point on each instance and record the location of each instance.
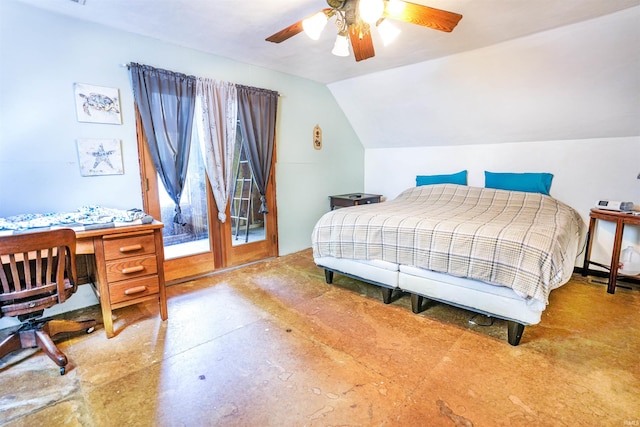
(621, 219)
(353, 199)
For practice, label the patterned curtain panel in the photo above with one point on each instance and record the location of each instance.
(217, 116)
(257, 113)
(166, 102)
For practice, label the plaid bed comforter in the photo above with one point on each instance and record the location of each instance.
(525, 241)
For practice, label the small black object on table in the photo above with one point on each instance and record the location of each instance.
(353, 199)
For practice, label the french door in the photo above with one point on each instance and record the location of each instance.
(204, 244)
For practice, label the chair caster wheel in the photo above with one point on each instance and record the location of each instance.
(63, 370)
(91, 329)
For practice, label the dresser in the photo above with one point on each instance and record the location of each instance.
(128, 267)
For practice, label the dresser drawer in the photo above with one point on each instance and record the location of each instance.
(132, 289)
(130, 268)
(124, 247)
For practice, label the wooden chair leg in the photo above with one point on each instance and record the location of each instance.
(10, 344)
(39, 334)
(44, 341)
(58, 326)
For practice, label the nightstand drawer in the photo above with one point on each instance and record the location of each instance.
(129, 246)
(132, 289)
(130, 268)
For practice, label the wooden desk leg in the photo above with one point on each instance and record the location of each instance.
(103, 287)
(587, 252)
(107, 318)
(164, 313)
(615, 257)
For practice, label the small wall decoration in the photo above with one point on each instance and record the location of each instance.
(317, 137)
(97, 104)
(100, 157)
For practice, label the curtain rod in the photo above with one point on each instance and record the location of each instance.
(128, 66)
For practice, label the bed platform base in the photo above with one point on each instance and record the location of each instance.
(515, 329)
(386, 291)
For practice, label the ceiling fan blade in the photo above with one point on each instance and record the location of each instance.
(294, 29)
(361, 42)
(423, 15)
(285, 33)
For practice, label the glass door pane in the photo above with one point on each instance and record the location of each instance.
(193, 237)
(247, 223)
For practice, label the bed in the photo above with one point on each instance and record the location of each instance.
(495, 252)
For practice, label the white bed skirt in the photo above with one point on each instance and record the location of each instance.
(485, 298)
(497, 301)
(377, 272)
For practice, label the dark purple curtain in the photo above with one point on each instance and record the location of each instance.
(257, 117)
(166, 102)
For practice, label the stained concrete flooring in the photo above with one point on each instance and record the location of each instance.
(272, 345)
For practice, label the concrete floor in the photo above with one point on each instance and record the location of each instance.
(272, 345)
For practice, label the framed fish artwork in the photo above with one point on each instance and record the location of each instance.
(97, 104)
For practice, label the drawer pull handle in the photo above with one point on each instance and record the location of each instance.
(131, 248)
(136, 269)
(135, 290)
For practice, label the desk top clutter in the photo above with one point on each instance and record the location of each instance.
(85, 218)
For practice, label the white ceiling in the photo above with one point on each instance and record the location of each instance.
(237, 29)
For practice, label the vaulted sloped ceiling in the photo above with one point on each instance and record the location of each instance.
(577, 82)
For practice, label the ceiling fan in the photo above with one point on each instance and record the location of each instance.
(354, 19)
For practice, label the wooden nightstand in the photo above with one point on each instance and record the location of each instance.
(353, 199)
(620, 219)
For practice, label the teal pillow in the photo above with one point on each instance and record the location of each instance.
(459, 178)
(530, 182)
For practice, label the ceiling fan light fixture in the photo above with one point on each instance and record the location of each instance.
(388, 32)
(341, 46)
(395, 7)
(355, 18)
(314, 25)
(371, 10)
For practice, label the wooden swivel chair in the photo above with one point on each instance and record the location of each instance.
(38, 271)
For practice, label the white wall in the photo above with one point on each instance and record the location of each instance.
(44, 54)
